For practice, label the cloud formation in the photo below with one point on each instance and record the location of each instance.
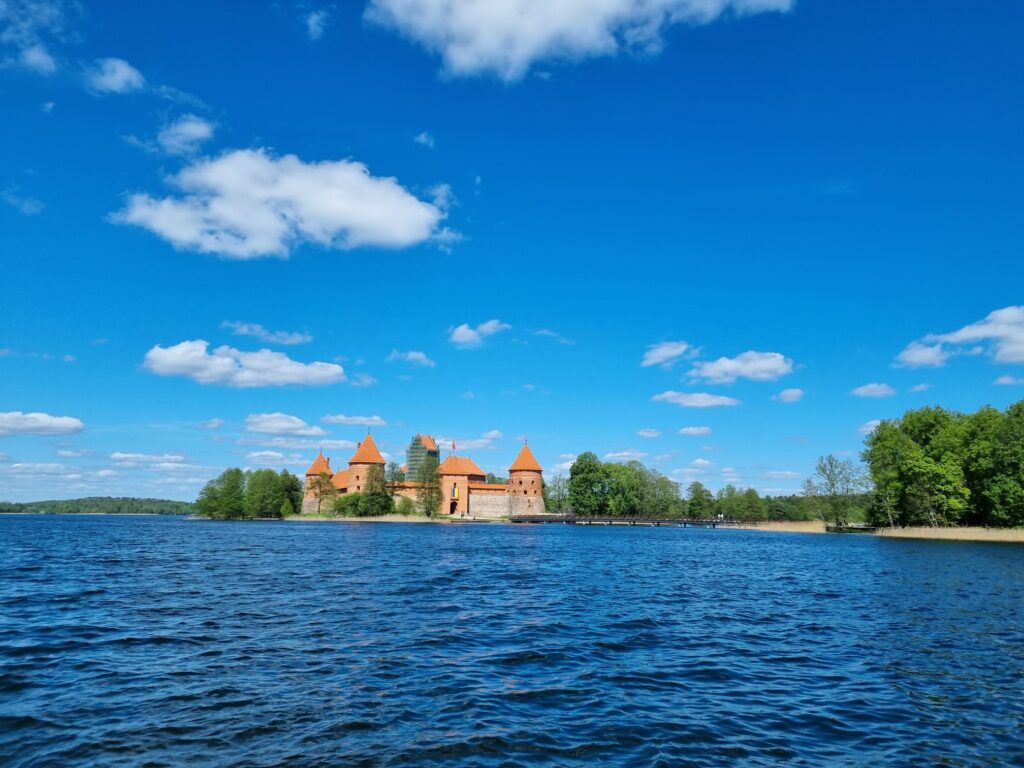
(185, 135)
(467, 337)
(648, 433)
(234, 368)
(507, 37)
(665, 354)
(316, 23)
(873, 390)
(695, 399)
(792, 395)
(280, 424)
(756, 366)
(248, 204)
(35, 423)
(869, 426)
(1000, 334)
(365, 421)
(114, 76)
(695, 431)
(257, 331)
(412, 356)
(424, 139)
(26, 29)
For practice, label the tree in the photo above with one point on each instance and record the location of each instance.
(322, 489)
(395, 477)
(223, 498)
(291, 486)
(428, 493)
(700, 503)
(405, 506)
(837, 482)
(263, 494)
(349, 505)
(556, 494)
(588, 486)
(376, 491)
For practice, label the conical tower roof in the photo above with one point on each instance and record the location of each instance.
(525, 461)
(319, 466)
(367, 453)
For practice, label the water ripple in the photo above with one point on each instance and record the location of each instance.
(141, 641)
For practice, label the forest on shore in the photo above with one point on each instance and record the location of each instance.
(100, 505)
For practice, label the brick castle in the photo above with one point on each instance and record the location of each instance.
(464, 486)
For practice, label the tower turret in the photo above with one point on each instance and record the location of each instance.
(526, 483)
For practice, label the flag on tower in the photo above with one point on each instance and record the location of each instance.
(453, 446)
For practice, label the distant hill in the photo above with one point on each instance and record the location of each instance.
(106, 505)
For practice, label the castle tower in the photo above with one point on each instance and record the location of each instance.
(526, 484)
(365, 457)
(319, 466)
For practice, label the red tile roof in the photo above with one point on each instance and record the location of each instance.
(319, 465)
(460, 465)
(367, 453)
(428, 442)
(525, 462)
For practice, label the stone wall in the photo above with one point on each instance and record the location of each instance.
(526, 505)
(489, 505)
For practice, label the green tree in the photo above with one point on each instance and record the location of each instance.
(263, 494)
(377, 493)
(700, 503)
(395, 477)
(405, 506)
(588, 486)
(223, 498)
(322, 490)
(428, 492)
(556, 494)
(291, 486)
(349, 505)
(837, 482)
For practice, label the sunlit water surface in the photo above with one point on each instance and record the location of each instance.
(160, 641)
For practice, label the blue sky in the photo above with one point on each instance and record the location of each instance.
(482, 221)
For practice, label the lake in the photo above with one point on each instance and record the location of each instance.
(128, 641)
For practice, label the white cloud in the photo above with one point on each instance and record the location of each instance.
(66, 453)
(280, 424)
(29, 468)
(1009, 381)
(412, 356)
(648, 433)
(273, 458)
(38, 59)
(234, 368)
(214, 423)
(920, 387)
(873, 390)
(18, 423)
(185, 135)
(695, 431)
(701, 463)
(297, 443)
(424, 139)
(918, 355)
(114, 76)
(756, 366)
(363, 380)
(248, 204)
(507, 37)
(485, 441)
(792, 395)
(466, 336)
(781, 474)
(554, 335)
(316, 23)
(1003, 330)
(145, 458)
(47, 107)
(869, 426)
(695, 399)
(665, 354)
(271, 337)
(25, 27)
(627, 455)
(366, 421)
(27, 206)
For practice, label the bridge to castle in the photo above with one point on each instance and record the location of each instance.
(573, 519)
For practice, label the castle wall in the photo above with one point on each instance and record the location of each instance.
(526, 505)
(491, 505)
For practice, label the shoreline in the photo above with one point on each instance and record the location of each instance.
(996, 535)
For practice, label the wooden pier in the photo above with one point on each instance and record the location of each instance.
(571, 519)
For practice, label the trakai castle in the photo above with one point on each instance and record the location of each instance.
(464, 486)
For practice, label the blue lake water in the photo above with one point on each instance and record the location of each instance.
(161, 641)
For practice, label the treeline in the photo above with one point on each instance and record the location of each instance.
(610, 489)
(101, 505)
(936, 467)
(240, 495)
